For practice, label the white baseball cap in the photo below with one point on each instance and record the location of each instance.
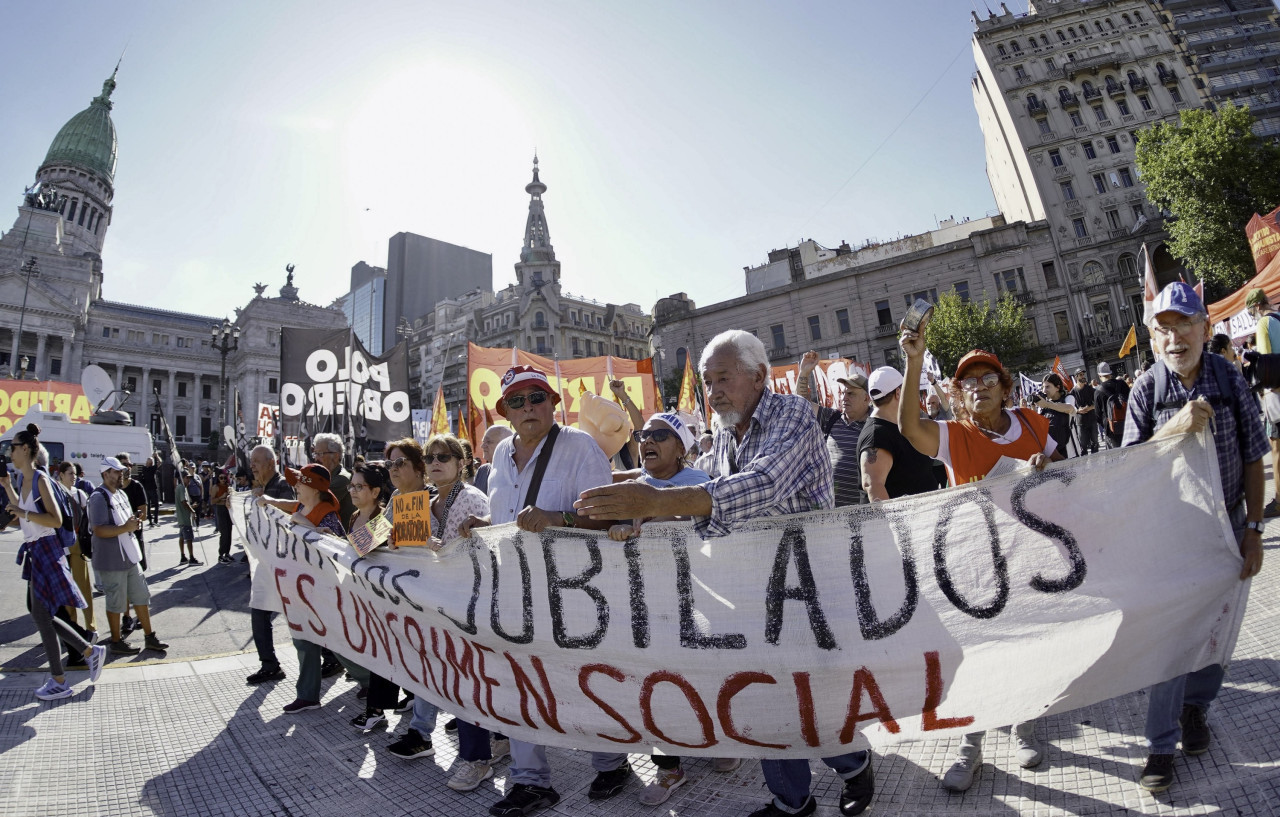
(883, 381)
(111, 464)
(673, 421)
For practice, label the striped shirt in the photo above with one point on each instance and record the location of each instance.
(842, 449)
(780, 466)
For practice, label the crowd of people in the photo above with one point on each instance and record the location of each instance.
(767, 454)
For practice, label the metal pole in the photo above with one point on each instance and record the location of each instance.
(30, 267)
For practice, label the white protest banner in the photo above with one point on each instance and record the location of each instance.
(267, 415)
(799, 636)
(421, 425)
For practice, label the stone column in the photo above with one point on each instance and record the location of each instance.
(195, 401)
(66, 372)
(119, 375)
(13, 353)
(40, 366)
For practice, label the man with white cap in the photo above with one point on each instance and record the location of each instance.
(537, 474)
(891, 466)
(1109, 401)
(116, 556)
(1182, 392)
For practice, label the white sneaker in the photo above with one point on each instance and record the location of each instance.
(51, 690)
(967, 763)
(97, 658)
(1029, 751)
(470, 775)
(499, 749)
(667, 781)
(724, 765)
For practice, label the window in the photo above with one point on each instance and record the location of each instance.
(131, 384)
(1076, 120)
(542, 344)
(930, 295)
(779, 336)
(55, 366)
(1049, 63)
(1006, 281)
(1000, 50)
(815, 328)
(1044, 40)
(1113, 220)
(1128, 265)
(106, 331)
(1044, 126)
(1126, 178)
(892, 357)
(180, 426)
(539, 320)
(1015, 48)
(273, 385)
(1099, 183)
(1113, 144)
(1123, 107)
(206, 427)
(883, 316)
(1102, 317)
(1050, 275)
(1068, 191)
(1175, 95)
(1144, 101)
(1019, 72)
(1062, 38)
(1100, 113)
(577, 350)
(155, 386)
(962, 290)
(182, 389)
(1055, 158)
(1110, 24)
(1126, 19)
(600, 347)
(842, 318)
(1081, 229)
(1071, 32)
(1137, 212)
(1089, 152)
(1062, 325)
(206, 391)
(1137, 16)
(155, 338)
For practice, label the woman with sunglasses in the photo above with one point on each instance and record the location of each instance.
(971, 449)
(220, 498)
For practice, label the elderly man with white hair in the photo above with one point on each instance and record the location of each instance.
(264, 601)
(771, 460)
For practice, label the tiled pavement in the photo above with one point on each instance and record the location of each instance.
(189, 738)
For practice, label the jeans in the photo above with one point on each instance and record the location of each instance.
(262, 641)
(1199, 688)
(423, 719)
(788, 780)
(473, 742)
(529, 763)
(308, 670)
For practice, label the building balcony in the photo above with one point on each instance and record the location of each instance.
(885, 330)
(1115, 90)
(1139, 84)
(1076, 67)
(1073, 207)
(1168, 78)
(1105, 339)
(1025, 298)
(1092, 93)
(1038, 109)
(1069, 102)
(780, 353)
(1062, 172)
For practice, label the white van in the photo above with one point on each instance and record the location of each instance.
(82, 443)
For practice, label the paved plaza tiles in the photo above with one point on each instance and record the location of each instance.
(182, 737)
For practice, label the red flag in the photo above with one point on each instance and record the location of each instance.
(473, 420)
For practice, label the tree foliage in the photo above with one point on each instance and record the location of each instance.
(958, 327)
(1212, 173)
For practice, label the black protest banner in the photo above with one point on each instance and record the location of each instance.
(328, 379)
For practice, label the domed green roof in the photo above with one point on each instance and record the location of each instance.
(88, 140)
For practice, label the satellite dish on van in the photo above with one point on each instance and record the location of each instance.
(229, 434)
(98, 387)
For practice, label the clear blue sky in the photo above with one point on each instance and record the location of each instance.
(680, 141)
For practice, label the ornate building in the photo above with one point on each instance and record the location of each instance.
(54, 319)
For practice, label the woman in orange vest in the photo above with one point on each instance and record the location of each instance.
(972, 449)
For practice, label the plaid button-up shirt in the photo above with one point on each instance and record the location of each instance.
(780, 466)
(1237, 429)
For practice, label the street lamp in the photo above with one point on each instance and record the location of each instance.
(226, 339)
(30, 268)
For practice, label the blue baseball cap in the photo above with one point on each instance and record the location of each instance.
(1181, 298)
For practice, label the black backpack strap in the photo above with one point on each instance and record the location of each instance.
(829, 423)
(540, 468)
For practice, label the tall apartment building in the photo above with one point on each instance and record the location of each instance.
(1233, 49)
(364, 304)
(423, 271)
(1061, 94)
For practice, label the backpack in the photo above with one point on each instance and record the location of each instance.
(1165, 403)
(67, 531)
(1117, 408)
(84, 531)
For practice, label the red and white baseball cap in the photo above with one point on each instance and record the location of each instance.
(521, 377)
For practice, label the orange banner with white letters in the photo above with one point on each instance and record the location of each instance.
(485, 367)
(17, 396)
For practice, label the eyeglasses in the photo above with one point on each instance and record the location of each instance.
(535, 398)
(398, 462)
(357, 486)
(440, 458)
(658, 435)
(987, 381)
(1179, 328)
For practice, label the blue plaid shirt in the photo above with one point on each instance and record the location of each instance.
(780, 466)
(1237, 431)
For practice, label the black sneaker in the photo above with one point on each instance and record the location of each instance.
(610, 783)
(123, 647)
(1195, 729)
(411, 745)
(153, 642)
(772, 810)
(127, 625)
(330, 668)
(266, 674)
(368, 721)
(405, 704)
(524, 799)
(858, 791)
(1157, 775)
(451, 726)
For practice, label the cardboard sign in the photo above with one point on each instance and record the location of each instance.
(369, 535)
(412, 513)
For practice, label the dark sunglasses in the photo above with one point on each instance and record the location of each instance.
(658, 435)
(535, 398)
(440, 458)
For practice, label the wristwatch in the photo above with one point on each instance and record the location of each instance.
(1258, 526)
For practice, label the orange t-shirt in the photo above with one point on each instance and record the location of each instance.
(970, 454)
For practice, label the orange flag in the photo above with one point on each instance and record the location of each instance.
(463, 433)
(474, 421)
(1060, 370)
(440, 415)
(1130, 341)
(687, 402)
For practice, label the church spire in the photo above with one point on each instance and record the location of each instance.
(537, 238)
